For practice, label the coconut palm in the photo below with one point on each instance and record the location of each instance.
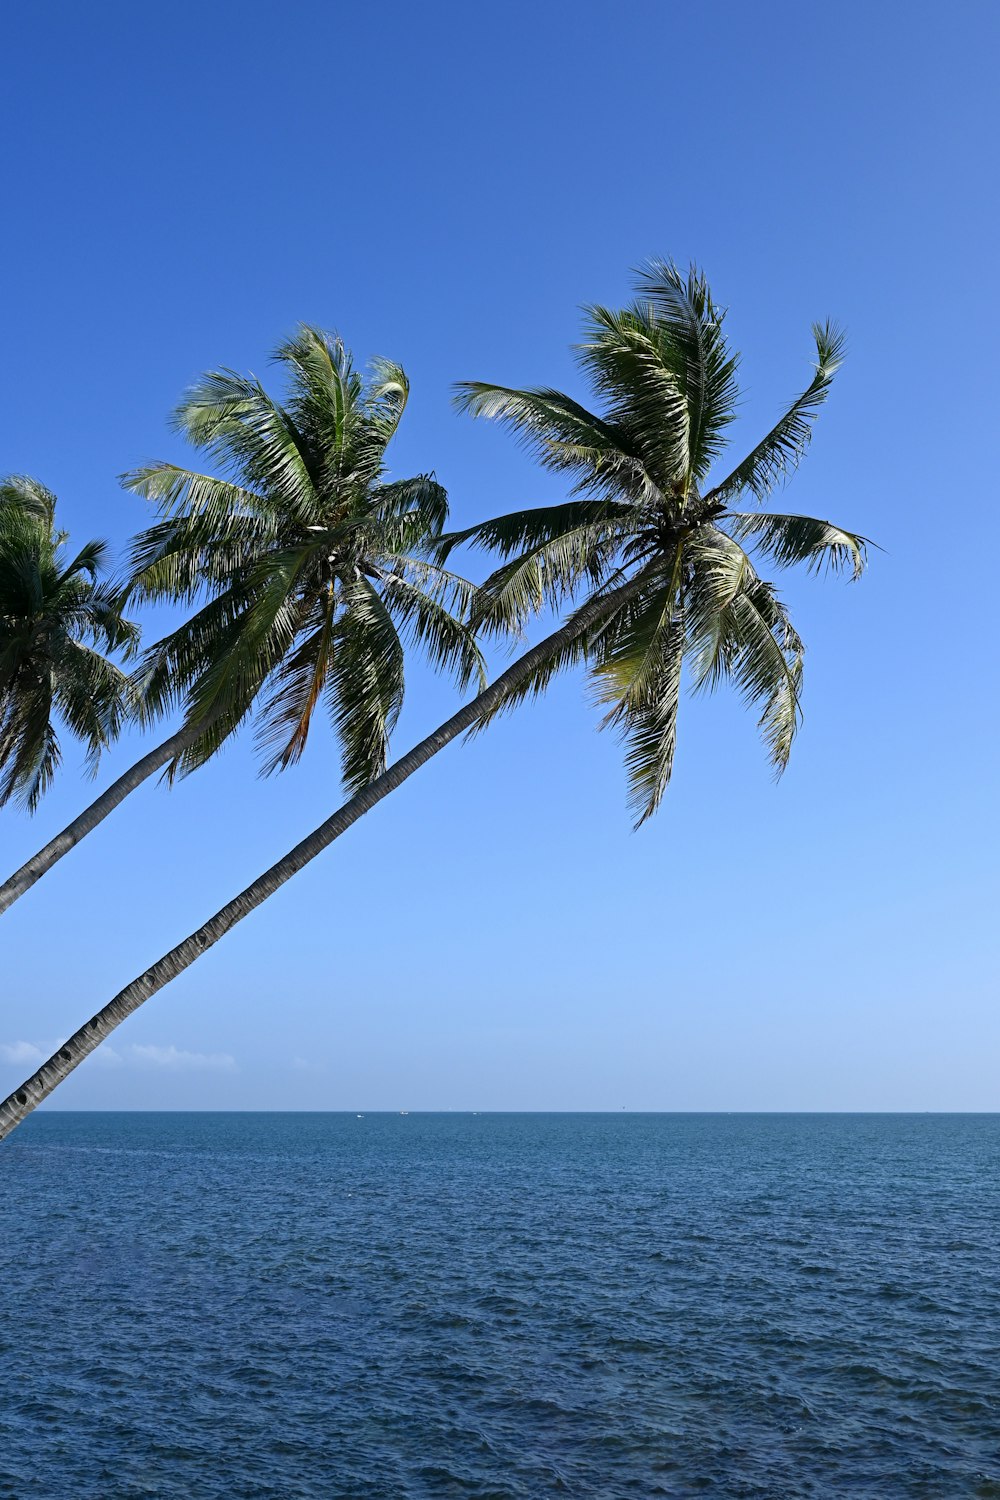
(657, 546)
(57, 616)
(309, 567)
(20, 494)
(644, 504)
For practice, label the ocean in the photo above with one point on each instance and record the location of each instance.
(499, 1306)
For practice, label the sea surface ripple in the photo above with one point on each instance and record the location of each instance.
(496, 1306)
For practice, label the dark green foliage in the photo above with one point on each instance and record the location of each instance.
(311, 568)
(643, 503)
(56, 618)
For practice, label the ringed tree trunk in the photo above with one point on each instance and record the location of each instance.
(39, 864)
(80, 1045)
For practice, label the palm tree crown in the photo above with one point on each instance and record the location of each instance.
(644, 507)
(56, 617)
(316, 565)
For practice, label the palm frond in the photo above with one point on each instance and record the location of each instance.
(790, 539)
(326, 400)
(448, 642)
(777, 455)
(54, 615)
(30, 753)
(636, 667)
(364, 687)
(768, 669)
(234, 419)
(169, 668)
(91, 693)
(27, 496)
(388, 394)
(706, 370)
(455, 593)
(177, 490)
(180, 559)
(625, 658)
(739, 630)
(523, 529)
(563, 435)
(628, 358)
(721, 569)
(298, 686)
(547, 574)
(647, 716)
(578, 640)
(224, 694)
(421, 497)
(90, 560)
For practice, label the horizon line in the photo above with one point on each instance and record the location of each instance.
(448, 1110)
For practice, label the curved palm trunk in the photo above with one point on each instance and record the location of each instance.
(89, 1037)
(39, 864)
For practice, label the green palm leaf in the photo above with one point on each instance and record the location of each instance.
(427, 623)
(800, 539)
(291, 552)
(563, 435)
(649, 722)
(665, 378)
(636, 667)
(232, 418)
(704, 366)
(778, 454)
(365, 686)
(57, 619)
(22, 495)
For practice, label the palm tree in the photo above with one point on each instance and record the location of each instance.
(20, 494)
(658, 547)
(642, 503)
(56, 617)
(310, 566)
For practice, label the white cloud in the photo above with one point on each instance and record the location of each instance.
(26, 1054)
(176, 1057)
(21, 1052)
(303, 1065)
(106, 1056)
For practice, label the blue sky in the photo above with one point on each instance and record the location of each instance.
(446, 185)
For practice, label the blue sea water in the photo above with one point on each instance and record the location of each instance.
(499, 1306)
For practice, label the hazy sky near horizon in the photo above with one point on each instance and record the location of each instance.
(447, 184)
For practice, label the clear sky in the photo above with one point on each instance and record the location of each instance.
(446, 184)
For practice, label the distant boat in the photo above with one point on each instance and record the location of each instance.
(404, 1111)
(360, 1117)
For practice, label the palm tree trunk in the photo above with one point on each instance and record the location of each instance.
(51, 1073)
(39, 864)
